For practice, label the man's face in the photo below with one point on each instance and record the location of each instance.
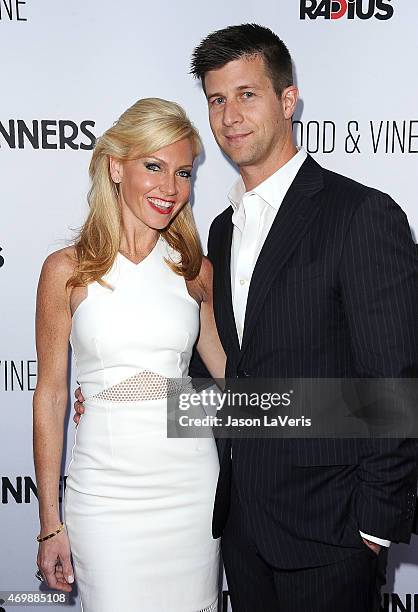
(246, 116)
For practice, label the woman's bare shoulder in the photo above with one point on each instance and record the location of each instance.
(206, 270)
(206, 274)
(200, 288)
(59, 266)
(205, 279)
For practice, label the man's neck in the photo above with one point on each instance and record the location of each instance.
(254, 175)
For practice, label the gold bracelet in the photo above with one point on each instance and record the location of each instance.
(50, 535)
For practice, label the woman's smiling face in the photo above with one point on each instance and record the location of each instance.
(156, 187)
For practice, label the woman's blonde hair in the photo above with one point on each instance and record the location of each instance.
(147, 126)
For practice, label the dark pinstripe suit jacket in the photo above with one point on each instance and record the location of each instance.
(334, 293)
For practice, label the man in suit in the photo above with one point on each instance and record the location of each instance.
(315, 276)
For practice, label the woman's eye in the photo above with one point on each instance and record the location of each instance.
(185, 173)
(153, 167)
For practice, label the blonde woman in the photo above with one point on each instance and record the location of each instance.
(132, 295)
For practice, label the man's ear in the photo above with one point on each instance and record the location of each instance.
(290, 97)
(115, 169)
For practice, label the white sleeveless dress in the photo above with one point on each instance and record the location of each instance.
(138, 505)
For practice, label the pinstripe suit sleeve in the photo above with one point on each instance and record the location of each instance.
(379, 288)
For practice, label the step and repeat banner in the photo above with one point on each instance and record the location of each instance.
(68, 70)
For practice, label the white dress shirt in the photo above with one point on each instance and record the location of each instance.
(253, 216)
(254, 213)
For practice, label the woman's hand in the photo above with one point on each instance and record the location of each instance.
(78, 405)
(54, 562)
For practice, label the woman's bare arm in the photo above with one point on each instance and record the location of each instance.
(53, 325)
(209, 345)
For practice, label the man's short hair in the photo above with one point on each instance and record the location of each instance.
(245, 40)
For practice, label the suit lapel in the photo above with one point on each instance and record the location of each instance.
(223, 303)
(293, 219)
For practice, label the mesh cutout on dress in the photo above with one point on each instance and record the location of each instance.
(212, 608)
(144, 386)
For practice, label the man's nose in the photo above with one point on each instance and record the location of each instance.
(231, 114)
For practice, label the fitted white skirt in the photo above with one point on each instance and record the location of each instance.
(138, 511)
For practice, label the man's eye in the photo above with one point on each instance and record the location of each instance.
(248, 94)
(218, 101)
(153, 167)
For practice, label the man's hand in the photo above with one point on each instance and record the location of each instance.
(78, 405)
(373, 546)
